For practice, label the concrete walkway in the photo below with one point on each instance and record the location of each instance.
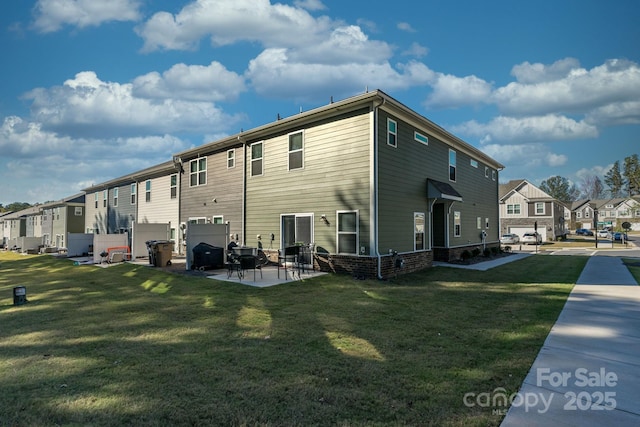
(588, 371)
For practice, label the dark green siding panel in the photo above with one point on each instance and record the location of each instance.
(335, 177)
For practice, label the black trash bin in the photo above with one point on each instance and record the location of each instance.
(19, 295)
(207, 257)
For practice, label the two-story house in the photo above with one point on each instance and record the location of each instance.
(365, 180)
(525, 208)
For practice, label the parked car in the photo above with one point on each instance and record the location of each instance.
(617, 236)
(604, 234)
(532, 238)
(584, 232)
(509, 239)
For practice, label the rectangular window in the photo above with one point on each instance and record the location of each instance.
(457, 224)
(174, 186)
(296, 150)
(486, 172)
(256, 159)
(486, 223)
(473, 163)
(418, 231)
(579, 215)
(147, 191)
(198, 172)
(133, 194)
(104, 199)
(231, 159)
(219, 219)
(421, 138)
(115, 197)
(493, 175)
(539, 208)
(172, 234)
(452, 165)
(200, 220)
(96, 200)
(586, 214)
(513, 209)
(348, 232)
(392, 133)
(479, 223)
(78, 211)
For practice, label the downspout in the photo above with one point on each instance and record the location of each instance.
(244, 191)
(374, 198)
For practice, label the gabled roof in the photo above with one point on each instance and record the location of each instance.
(506, 190)
(579, 204)
(144, 174)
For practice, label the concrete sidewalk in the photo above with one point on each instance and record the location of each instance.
(588, 371)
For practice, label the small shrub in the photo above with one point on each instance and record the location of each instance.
(486, 252)
(475, 252)
(465, 255)
(495, 250)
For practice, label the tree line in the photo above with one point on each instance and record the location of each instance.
(620, 182)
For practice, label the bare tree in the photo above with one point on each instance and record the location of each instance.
(591, 187)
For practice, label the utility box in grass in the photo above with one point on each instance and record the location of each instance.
(19, 295)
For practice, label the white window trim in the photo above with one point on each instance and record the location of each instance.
(198, 172)
(513, 205)
(415, 232)
(544, 208)
(356, 232)
(147, 191)
(455, 168)
(457, 232)
(115, 197)
(394, 133)
(301, 150)
(251, 159)
(422, 139)
(134, 198)
(231, 157)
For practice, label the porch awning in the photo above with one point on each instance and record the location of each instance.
(442, 190)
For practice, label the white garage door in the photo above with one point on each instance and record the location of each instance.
(521, 230)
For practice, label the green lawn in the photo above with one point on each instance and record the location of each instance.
(133, 345)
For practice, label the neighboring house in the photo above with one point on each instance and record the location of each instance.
(582, 215)
(62, 217)
(158, 197)
(613, 212)
(523, 206)
(373, 185)
(96, 211)
(16, 224)
(4, 228)
(147, 196)
(212, 185)
(33, 221)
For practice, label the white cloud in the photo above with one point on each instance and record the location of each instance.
(229, 21)
(275, 74)
(51, 15)
(416, 50)
(451, 91)
(191, 82)
(528, 129)
(527, 73)
(405, 26)
(310, 4)
(620, 113)
(87, 107)
(580, 90)
(556, 159)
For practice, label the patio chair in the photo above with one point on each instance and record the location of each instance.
(250, 262)
(287, 255)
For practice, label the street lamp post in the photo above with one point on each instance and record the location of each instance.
(595, 219)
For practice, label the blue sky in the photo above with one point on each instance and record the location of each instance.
(90, 90)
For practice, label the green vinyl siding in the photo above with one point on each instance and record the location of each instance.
(335, 177)
(402, 186)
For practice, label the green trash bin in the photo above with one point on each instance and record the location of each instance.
(19, 295)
